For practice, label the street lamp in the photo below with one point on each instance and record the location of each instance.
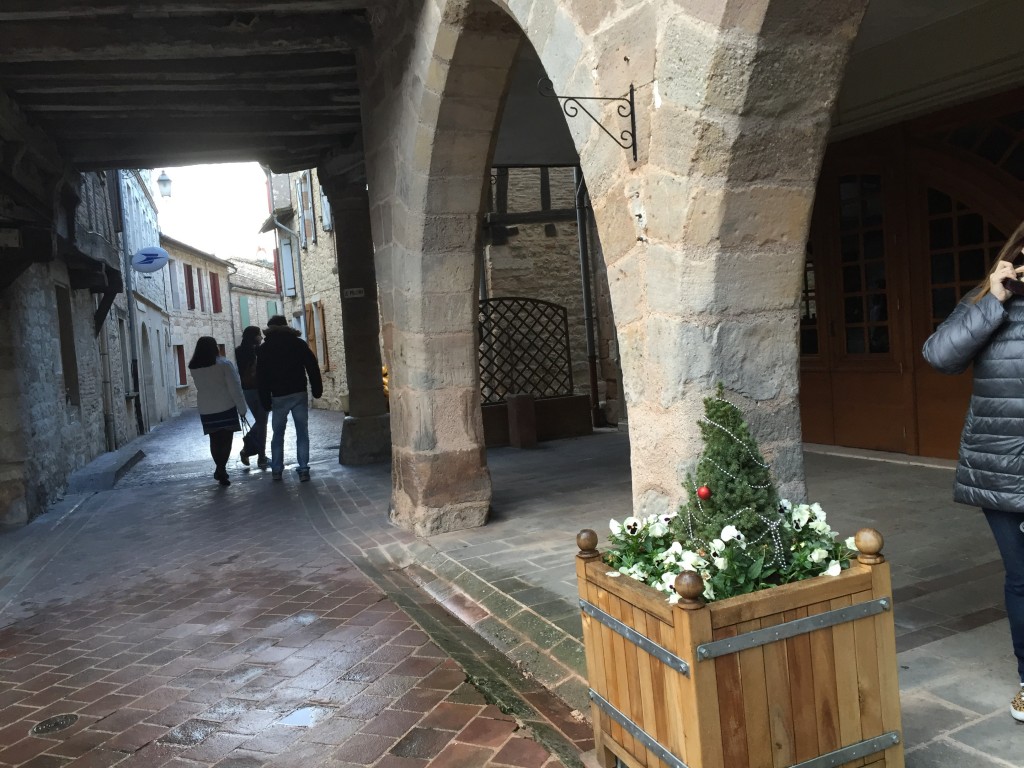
(163, 183)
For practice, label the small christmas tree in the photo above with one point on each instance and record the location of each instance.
(731, 485)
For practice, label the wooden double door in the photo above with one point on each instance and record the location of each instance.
(906, 222)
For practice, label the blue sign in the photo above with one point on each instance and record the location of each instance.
(150, 259)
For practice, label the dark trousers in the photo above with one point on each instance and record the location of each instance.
(1006, 527)
(220, 447)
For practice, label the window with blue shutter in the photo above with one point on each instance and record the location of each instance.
(243, 311)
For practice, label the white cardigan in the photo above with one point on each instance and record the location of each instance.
(218, 387)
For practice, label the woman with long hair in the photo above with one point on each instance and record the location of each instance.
(220, 401)
(987, 330)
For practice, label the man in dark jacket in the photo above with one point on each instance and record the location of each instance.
(284, 364)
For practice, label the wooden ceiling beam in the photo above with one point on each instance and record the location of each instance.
(198, 128)
(205, 38)
(260, 66)
(182, 100)
(46, 10)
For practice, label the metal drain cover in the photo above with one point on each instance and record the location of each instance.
(53, 724)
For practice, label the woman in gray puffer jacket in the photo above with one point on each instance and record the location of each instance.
(987, 329)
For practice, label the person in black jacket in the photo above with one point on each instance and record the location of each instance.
(986, 330)
(284, 363)
(255, 441)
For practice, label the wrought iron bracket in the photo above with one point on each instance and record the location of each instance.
(571, 106)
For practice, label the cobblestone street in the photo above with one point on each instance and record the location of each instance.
(177, 623)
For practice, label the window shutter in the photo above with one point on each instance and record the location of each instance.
(325, 358)
(287, 268)
(271, 308)
(310, 329)
(277, 271)
(243, 311)
(202, 293)
(309, 210)
(326, 217)
(179, 352)
(215, 292)
(190, 288)
(300, 203)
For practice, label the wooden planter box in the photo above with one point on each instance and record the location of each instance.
(825, 696)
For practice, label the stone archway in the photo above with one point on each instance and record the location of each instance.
(703, 237)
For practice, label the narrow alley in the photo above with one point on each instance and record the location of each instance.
(174, 622)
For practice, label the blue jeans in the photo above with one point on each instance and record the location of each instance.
(255, 441)
(298, 406)
(1006, 527)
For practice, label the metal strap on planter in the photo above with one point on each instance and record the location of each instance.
(637, 732)
(793, 628)
(661, 654)
(852, 752)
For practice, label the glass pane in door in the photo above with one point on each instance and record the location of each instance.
(862, 247)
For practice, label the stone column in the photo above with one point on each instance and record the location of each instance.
(366, 431)
(13, 492)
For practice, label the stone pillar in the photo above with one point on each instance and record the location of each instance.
(366, 431)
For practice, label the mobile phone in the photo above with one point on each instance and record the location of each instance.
(1013, 285)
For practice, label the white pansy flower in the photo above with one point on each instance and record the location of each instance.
(631, 525)
(615, 526)
(613, 574)
(785, 504)
(691, 561)
(721, 563)
(819, 513)
(668, 581)
(657, 528)
(717, 545)
(834, 569)
(851, 544)
(673, 598)
(731, 532)
(818, 555)
(800, 516)
(668, 517)
(820, 527)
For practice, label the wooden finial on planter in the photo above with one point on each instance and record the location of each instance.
(690, 587)
(586, 540)
(869, 544)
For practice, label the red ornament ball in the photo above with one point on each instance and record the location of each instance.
(704, 493)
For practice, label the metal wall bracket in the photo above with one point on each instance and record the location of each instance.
(571, 106)
(793, 628)
(636, 731)
(663, 655)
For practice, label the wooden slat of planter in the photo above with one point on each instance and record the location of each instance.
(615, 671)
(802, 593)
(732, 714)
(844, 651)
(630, 590)
(823, 668)
(702, 733)
(677, 688)
(665, 708)
(888, 680)
(780, 705)
(801, 691)
(867, 672)
(595, 665)
(634, 695)
(645, 678)
(755, 701)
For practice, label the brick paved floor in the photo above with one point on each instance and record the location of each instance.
(188, 625)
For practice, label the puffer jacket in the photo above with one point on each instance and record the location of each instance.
(990, 470)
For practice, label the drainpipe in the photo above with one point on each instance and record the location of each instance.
(298, 244)
(588, 305)
(130, 293)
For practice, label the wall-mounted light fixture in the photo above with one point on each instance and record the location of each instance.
(163, 183)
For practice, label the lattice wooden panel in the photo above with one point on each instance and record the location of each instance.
(524, 349)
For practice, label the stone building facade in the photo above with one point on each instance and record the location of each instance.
(66, 391)
(200, 305)
(254, 295)
(312, 250)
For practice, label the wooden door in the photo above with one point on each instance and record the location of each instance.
(857, 390)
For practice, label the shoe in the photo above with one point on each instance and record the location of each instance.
(221, 476)
(1017, 706)
(262, 462)
(244, 457)
(276, 475)
(303, 475)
